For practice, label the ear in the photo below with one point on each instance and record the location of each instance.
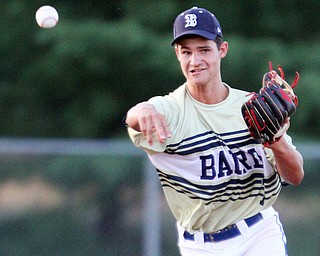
(224, 49)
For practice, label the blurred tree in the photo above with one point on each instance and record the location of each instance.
(79, 79)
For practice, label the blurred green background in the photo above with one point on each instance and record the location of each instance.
(77, 81)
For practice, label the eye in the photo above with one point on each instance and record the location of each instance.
(205, 50)
(185, 52)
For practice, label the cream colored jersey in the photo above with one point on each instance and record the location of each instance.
(212, 171)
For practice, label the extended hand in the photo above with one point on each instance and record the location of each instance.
(145, 118)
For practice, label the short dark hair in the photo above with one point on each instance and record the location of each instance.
(218, 41)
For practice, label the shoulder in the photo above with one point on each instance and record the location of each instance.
(238, 92)
(237, 96)
(172, 100)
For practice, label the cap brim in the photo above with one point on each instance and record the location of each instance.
(202, 33)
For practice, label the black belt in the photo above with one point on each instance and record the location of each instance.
(226, 233)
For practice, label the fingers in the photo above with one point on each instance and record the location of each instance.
(161, 129)
(154, 124)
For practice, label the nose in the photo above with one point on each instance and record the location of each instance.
(195, 59)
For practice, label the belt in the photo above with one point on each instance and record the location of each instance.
(226, 233)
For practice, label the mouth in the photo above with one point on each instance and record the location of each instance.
(196, 71)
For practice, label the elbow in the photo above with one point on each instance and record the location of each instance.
(297, 179)
(132, 121)
(298, 175)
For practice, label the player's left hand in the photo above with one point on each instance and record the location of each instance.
(268, 112)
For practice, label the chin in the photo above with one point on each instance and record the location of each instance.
(197, 82)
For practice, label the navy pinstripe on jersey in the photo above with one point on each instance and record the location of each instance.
(208, 140)
(234, 189)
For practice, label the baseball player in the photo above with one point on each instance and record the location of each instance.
(219, 181)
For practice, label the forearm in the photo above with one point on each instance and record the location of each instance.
(289, 162)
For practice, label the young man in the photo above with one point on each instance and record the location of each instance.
(219, 182)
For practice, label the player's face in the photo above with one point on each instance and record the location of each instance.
(200, 60)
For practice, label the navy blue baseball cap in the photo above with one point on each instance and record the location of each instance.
(196, 21)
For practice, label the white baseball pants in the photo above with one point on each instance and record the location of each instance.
(265, 238)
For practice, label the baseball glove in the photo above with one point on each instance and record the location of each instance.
(267, 113)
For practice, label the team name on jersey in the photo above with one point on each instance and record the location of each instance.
(227, 163)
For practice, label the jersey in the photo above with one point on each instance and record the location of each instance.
(213, 173)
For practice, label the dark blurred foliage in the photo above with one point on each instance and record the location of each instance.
(79, 78)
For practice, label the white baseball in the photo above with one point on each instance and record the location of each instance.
(47, 16)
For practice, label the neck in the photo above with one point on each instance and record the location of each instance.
(209, 94)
